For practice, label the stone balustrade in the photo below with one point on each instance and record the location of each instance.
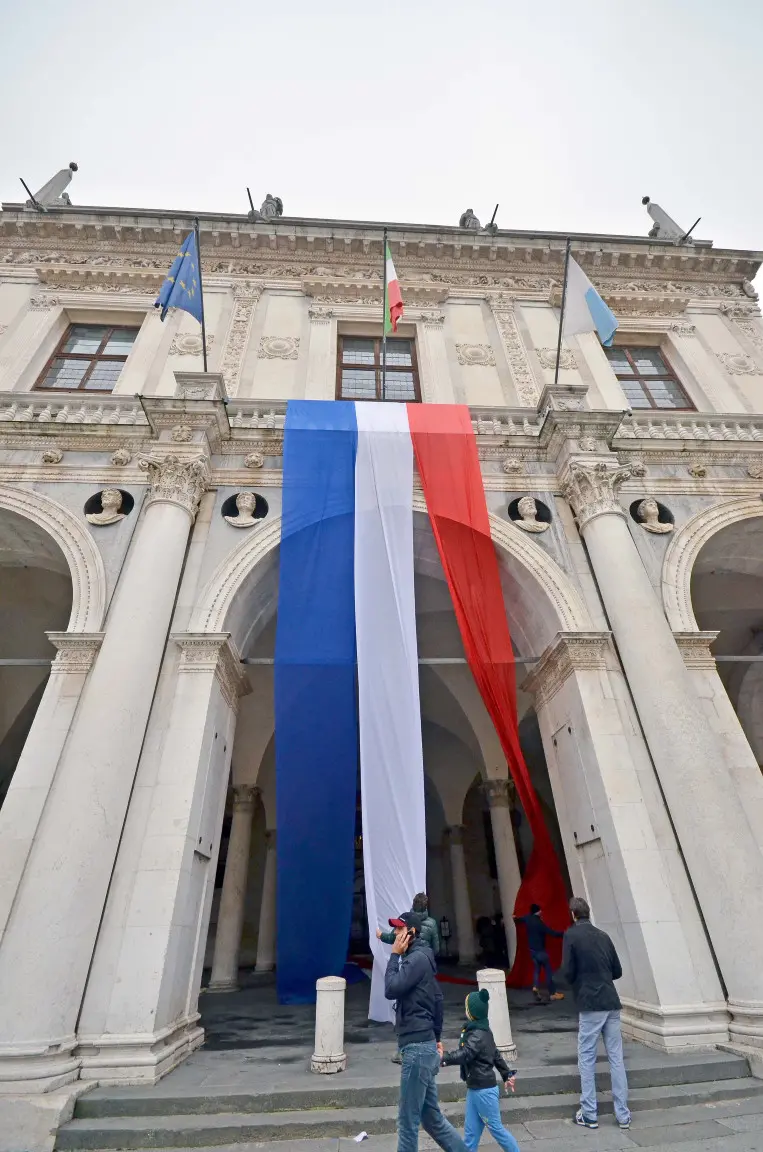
(34, 408)
(690, 427)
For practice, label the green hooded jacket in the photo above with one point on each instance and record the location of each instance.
(429, 935)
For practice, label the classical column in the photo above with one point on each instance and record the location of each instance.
(321, 354)
(48, 943)
(499, 793)
(723, 858)
(463, 906)
(230, 919)
(436, 381)
(266, 936)
(744, 774)
(25, 802)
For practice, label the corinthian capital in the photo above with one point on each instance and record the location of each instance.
(176, 480)
(591, 489)
(499, 793)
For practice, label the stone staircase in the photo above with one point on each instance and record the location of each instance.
(321, 1108)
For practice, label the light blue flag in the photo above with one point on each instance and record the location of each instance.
(584, 309)
(182, 287)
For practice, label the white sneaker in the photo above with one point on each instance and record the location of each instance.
(583, 1121)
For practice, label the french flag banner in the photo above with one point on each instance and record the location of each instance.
(346, 597)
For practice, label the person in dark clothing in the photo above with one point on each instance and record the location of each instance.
(410, 981)
(537, 932)
(428, 935)
(477, 1057)
(590, 965)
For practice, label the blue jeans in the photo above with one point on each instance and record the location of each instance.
(591, 1026)
(483, 1110)
(541, 960)
(418, 1101)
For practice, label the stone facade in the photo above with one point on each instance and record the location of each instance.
(123, 768)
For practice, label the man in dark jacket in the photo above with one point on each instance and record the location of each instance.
(590, 966)
(410, 981)
(537, 932)
(429, 932)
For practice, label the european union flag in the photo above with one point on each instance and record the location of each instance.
(182, 288)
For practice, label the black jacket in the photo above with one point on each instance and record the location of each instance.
(537, 931)
(410, 980)
(476, 1057)
(590, 964)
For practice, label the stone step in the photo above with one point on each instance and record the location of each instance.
(329, 1092)
(212, 1130)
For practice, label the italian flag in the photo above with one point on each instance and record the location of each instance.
(394, 306)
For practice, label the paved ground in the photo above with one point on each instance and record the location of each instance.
(255, 1046)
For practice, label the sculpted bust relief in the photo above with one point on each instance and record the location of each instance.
(648, 513)
(246, 502)
(111, 502)
(528, 512)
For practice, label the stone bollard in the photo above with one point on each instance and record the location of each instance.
(329, 1055)
(498, 1010)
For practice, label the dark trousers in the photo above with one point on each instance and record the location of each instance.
(541, 960)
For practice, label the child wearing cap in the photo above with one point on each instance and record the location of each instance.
(477, 1057)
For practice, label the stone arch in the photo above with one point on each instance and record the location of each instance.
(217, 597)
(84, 561)
(684, 549)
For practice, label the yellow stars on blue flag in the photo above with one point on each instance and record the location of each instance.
(181, 288)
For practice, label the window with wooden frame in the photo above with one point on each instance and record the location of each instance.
(90, 357)
(359, 369)
(647, 379)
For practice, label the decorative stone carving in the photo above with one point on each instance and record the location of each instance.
(214, 652)
(570, 652)
(511, 465)
(590, 488)
(246, 502)
(499, 793)
(270, 209)
(111, 502)
(547, 358)
(681, 329)
(52, 456)
(515, 351)
(698, 471)
(278, 348)
(43, 302)
(587, 444)
(121, 458)
(749, 289)
(470, 221)
(528, 516)
(182, 433)
(433, 319)
(189, 344)
(695, 648)
(648, 513)
(254, 460)
(320, 315)
(475, 354)
(755, 471)
(245, 297)
(738, 364)
(176, 481)
(244, 797)
(76, 651)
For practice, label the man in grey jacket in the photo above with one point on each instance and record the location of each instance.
(590, 965)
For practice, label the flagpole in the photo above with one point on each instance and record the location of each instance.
(201, 293)
(561, 313)
(384, 316)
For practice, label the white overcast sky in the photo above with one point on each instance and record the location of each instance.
(566, 112)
